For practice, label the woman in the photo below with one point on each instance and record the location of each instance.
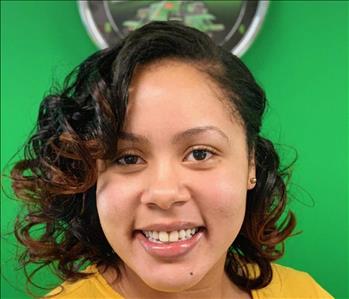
(149, 165)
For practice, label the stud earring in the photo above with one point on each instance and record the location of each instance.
(253, 180)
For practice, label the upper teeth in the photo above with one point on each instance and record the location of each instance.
(172, 236)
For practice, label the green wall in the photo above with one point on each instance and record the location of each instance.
(300, 58)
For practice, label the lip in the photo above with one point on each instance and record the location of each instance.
(169, 250)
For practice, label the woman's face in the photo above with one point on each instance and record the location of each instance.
(173, 200)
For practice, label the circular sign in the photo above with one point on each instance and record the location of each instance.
(231, 24)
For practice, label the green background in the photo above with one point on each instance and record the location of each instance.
(300, 57)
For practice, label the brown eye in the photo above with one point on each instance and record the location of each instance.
(128, 160)
(201, 154)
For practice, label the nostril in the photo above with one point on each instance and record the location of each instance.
(179, 203)
(163, 198)
(152, 205)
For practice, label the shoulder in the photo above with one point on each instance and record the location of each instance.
(291, 283)
(93, 286)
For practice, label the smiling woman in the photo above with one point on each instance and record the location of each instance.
(149, 166)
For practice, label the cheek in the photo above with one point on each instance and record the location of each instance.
(223, 193)
(222, 201)
(115, 201)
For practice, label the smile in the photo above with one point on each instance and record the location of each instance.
(172, 245)
(173, 236)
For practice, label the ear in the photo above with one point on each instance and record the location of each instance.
(101, 166)
(252, 180)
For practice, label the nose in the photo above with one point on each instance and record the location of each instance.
(164, 189)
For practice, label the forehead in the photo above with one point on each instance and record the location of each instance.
(170, 73)
(175, 95)
(170, 77)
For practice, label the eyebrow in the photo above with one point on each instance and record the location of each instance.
(179, 137)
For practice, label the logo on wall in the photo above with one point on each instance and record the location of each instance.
(231, 24)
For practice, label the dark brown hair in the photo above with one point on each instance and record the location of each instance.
(80, 124)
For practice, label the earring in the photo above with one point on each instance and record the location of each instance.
(253, 180)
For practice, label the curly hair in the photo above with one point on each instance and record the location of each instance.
(79, 124)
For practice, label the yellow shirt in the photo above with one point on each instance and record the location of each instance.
(286, 283)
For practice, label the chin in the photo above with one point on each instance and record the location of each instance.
(172, 285)
(172, 282)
